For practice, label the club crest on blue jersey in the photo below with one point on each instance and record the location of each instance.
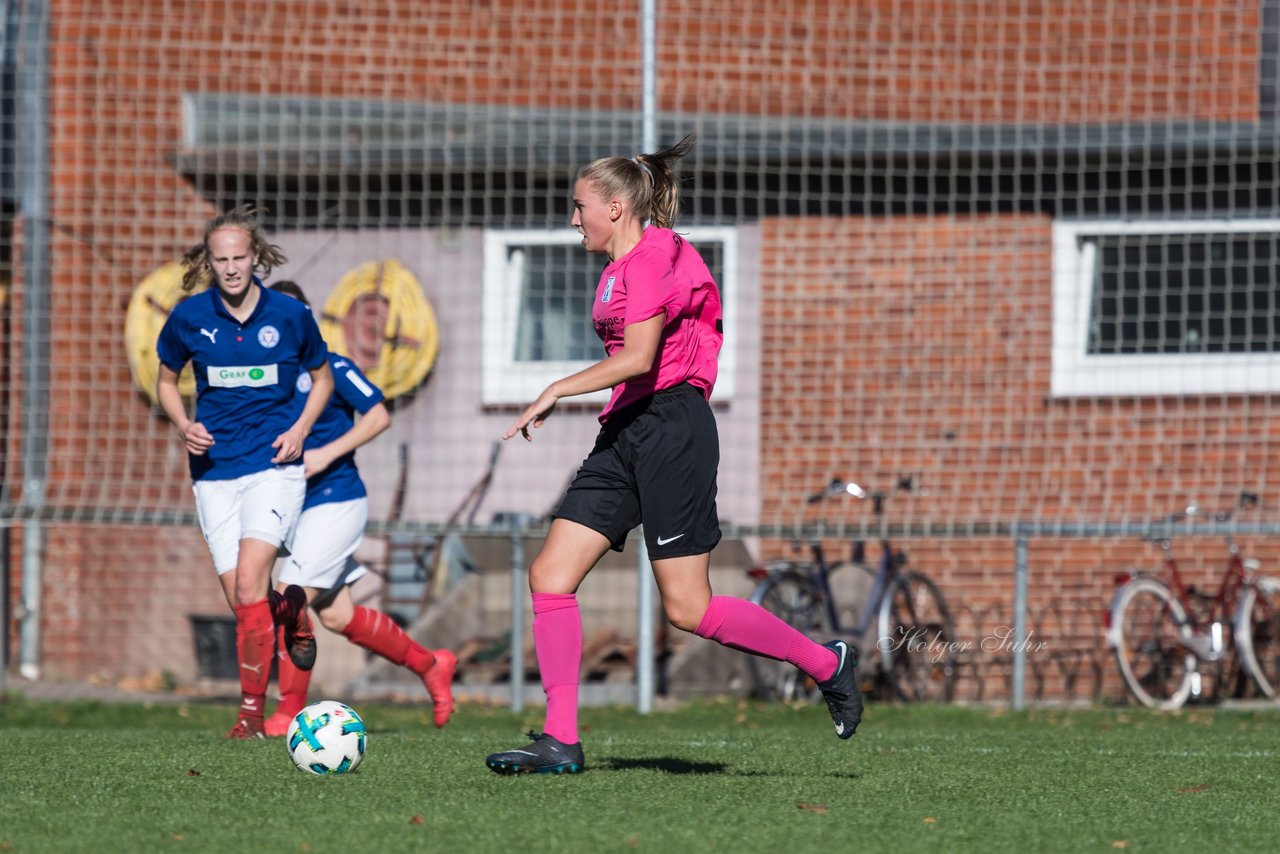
(268, 336)
(304, 383)
(608, 290)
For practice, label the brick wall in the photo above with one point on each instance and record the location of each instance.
(922, 345)
(980, 62)
(120, 596)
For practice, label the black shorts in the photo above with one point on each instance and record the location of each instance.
(654, 463)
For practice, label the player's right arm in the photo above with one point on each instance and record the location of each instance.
(641, 342)
(194, 435)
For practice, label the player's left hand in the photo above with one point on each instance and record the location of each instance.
(288, 446)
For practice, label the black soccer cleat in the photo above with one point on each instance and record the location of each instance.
(546, 755)
(844, 700)
(290, 610)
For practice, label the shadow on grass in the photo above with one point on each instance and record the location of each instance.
(667, 764)
(672, 765)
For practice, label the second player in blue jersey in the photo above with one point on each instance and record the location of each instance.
(322, 560)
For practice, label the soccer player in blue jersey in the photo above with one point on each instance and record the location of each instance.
(322, 559)
(248, 346)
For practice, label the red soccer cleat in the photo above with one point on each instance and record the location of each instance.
(247, 728)
(277, 726)
(439, 682)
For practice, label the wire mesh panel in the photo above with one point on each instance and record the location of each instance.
(1023, 253)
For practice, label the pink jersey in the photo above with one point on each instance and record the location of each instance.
(662, 274)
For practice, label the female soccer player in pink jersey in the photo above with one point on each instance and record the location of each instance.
(657, 310)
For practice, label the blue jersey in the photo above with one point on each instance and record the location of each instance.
(246, 374)
(352, 393)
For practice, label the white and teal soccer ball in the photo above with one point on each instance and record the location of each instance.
(327, 737)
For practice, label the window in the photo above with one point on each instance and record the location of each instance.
(1166, 308)
(538, 290)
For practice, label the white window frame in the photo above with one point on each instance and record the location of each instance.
(506, 381)
(1076, 373)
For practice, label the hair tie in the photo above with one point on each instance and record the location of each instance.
(652, 181)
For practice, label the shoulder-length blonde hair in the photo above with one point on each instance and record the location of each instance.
(198, 266)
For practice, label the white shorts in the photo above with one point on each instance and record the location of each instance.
(263, 506)
(322, 555)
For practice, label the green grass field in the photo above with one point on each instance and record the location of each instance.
(715, 776)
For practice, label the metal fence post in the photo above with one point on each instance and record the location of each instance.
(644, 630)
(648, 142)
(1020, 621)
(4, 605)
(32, 155)
(518, 588)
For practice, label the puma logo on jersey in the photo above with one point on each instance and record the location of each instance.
(212, 336)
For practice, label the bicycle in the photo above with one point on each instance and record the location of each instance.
(915, 634)
(1162, 630)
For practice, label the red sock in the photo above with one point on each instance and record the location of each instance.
(378, 633)
(292, 682)
(255, 645)
(557, 640)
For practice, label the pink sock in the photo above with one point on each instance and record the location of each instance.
(745, 626)
(557, 639)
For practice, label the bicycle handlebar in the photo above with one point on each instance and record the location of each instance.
(1246, 501)
(837, 487)
(906, 483)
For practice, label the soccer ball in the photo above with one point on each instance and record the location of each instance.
(327, 737)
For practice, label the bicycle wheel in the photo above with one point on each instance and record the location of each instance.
(916, 642)
(1257, 631)
(1148, 633)
(794, 599)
